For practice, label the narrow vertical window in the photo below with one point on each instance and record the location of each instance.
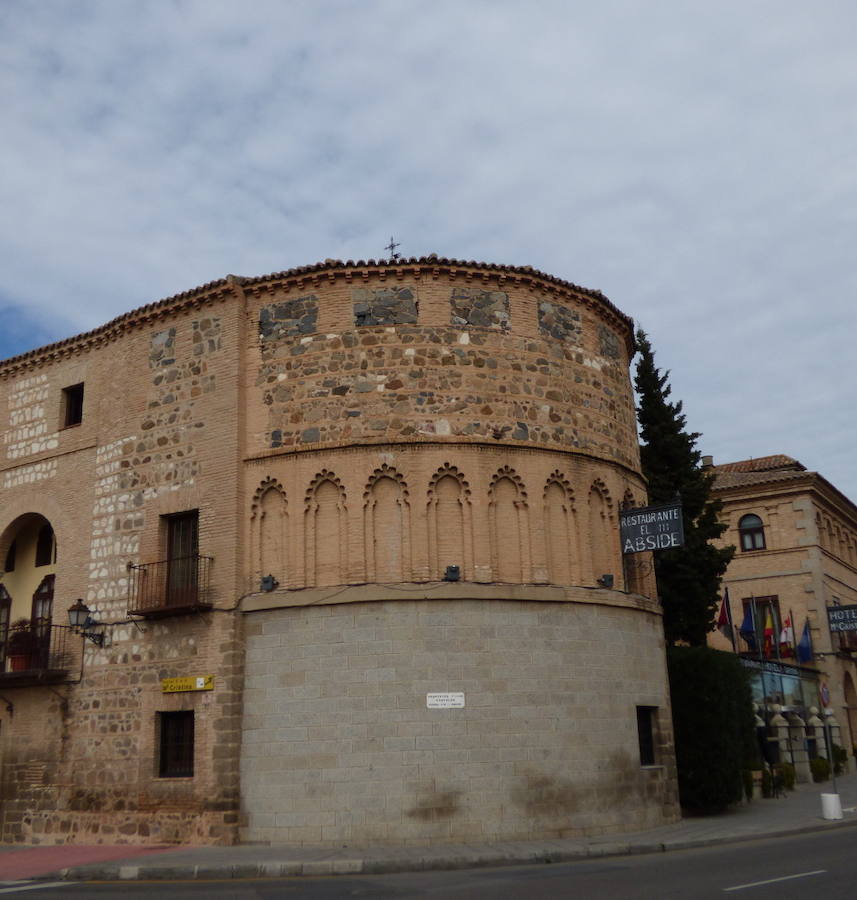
(45, 547)
(10, 557)
(5, 612)
(175, 743)
(646, 734)
(72, 405)
(182, 558)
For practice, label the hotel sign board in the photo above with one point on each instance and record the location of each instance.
(842, 618)
(651, 528)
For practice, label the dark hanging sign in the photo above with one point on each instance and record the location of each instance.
(651, 528)
(842, 618)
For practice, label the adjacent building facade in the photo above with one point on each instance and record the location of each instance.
(342, 533)
(795, 564)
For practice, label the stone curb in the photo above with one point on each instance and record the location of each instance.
(544, 854)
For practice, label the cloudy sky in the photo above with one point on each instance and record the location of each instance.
(695, 161)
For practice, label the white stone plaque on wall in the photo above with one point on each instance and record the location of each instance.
(453, 700)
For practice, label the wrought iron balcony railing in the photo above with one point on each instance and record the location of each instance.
(35, 652)
(169, 587)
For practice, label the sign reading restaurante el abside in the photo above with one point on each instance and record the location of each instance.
(651, 528)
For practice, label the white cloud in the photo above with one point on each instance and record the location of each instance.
(694, 161)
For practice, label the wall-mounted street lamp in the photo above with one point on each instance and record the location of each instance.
(80, 620)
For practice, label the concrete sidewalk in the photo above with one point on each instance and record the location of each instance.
(798, 812)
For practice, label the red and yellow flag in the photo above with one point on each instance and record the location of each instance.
(769, 634)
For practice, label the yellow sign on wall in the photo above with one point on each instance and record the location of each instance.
(187, 683)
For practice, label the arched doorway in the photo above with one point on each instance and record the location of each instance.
(28, 550)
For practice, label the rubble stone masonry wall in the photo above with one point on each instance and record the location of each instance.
(158, 436)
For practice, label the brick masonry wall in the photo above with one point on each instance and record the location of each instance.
(158, 436)
(339, 745)
(809, 561)
(557, 535)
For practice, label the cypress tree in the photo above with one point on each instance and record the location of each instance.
(689, 576)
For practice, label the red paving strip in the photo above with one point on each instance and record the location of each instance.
(34, 861)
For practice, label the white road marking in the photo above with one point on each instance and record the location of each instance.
(752, 884)
(18, 886)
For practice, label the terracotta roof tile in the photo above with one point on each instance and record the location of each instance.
(725, 480)
(761, 464)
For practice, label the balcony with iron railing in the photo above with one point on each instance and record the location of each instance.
(169, 587)
(35, 652)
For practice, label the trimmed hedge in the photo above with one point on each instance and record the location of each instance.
(713, 724)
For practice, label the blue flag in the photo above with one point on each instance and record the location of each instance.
(748, 627)
(804, 646)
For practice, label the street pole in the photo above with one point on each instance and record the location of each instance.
(828, 737)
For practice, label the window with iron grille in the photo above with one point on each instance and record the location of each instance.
(176, 744)
(646, 734)
(5, 612)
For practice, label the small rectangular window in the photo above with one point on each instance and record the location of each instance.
(72, 405)
(176, 744)
(646, 734)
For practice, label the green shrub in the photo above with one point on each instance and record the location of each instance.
(789, 776)
(820, 769)
(713, 724)
(747, 776)
(840, 759)
(767, 784)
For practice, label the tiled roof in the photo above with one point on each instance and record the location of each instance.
(762, 464)
(762, 470)
(314, 270)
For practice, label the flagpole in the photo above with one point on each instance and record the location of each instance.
(765, 705)
(792, 620)
(775, 638)
(731, 621)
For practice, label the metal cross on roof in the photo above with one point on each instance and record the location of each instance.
(392, 248)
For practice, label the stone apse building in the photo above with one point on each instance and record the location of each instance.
(342, 533)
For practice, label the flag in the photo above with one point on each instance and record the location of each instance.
(787, 638)
(724, 620)
(804, 646)
(748, 627)
(768, 634)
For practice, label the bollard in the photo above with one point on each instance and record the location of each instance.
(831, 806)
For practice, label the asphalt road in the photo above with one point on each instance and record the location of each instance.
(813, 865)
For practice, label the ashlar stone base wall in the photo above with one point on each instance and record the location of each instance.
(339, 745)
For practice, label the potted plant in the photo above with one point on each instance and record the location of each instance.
(20, 646)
